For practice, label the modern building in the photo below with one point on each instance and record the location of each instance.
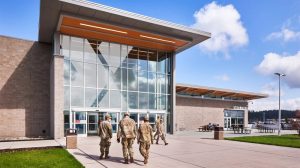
(90, 60)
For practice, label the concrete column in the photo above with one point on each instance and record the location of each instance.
(173, 104)
(57, 97)
(57, 91)
(246, 118)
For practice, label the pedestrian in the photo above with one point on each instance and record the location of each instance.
(127, 131)
(105, 133)
(145, 138)
(156, 126)
(160, 131)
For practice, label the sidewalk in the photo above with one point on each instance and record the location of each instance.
(184, 151)
(28, 144)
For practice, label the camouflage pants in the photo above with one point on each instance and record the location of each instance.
(144, 149)
(162, 136)
(127, 147)
(104, 146)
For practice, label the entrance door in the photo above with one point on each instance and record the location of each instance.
(227, 123)
(92, 123)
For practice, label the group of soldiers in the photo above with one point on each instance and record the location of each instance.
(127, 133)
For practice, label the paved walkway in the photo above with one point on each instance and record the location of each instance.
(184, 151)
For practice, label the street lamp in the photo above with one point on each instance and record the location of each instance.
(279, 111)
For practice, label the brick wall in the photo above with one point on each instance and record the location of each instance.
(194, 112)
(24, 88)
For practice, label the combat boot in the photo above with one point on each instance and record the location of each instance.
(145, 160)
(126, 161)
(106, 155)
(101, 156)
(131, 159)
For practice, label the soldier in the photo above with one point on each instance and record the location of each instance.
(127, 131)
(160, 131)
(145, 138)
(157, 125)
(105, 133)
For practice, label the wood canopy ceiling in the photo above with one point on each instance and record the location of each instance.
(198, 91)
(100, 31)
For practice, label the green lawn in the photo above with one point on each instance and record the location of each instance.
(283, 140)
(39, 158)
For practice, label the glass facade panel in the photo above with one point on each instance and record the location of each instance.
(124, 78)
(161, 62)
(143, 100)
(132, 80)
(103, 98)
(90, 51)
(124, 101)
(102, 76)
(152, 82)
(133, 100)
(152, 61)
(143, 81)
(115, 78)
(90, 71)
(103, 52)
(90, 97)
(124, 55)
(76, 49)
(76, 73)
(115, 99)
(77, 96)
(132, 59)
(66, 97)
(161, 83)
(143, 60)
(152, 101)
(115, 54)
(66, 72)
(65, 46)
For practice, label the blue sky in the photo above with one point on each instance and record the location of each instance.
(267, 27)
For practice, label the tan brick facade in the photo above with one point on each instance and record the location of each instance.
(194, 112)
(24, 88)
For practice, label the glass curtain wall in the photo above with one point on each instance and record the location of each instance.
(114, 76)
(235, 118)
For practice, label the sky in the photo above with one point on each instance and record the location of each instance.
(250, 42)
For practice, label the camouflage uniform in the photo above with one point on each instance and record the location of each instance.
(127, 131)
(105, 133)
(160, 131)
(145, 138)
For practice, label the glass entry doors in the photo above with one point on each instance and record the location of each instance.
(227, 123)
(92, 123)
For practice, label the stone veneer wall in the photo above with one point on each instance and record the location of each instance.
(194, 112)
(24, 88)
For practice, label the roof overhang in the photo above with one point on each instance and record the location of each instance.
(194, 90)
(91, 20)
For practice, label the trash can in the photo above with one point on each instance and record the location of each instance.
(71, 136)
(218, 133)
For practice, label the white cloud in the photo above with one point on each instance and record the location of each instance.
(265, 104)
(285, 34)
(271, 89)
(223, 77)
(225, 25)
(290, 65)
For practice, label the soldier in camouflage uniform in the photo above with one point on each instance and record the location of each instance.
(127, 131)
(145, 138)
(105, 133)
(160, 133)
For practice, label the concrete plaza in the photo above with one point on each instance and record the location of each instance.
(192, 151)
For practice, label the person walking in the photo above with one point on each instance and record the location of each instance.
(160, 131)
(144, 138)
(127, 131)
(105, 133)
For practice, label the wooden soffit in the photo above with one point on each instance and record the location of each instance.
(111, 33)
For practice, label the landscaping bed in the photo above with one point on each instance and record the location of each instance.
(283, 140)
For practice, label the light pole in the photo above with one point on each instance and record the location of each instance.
(279, 111)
